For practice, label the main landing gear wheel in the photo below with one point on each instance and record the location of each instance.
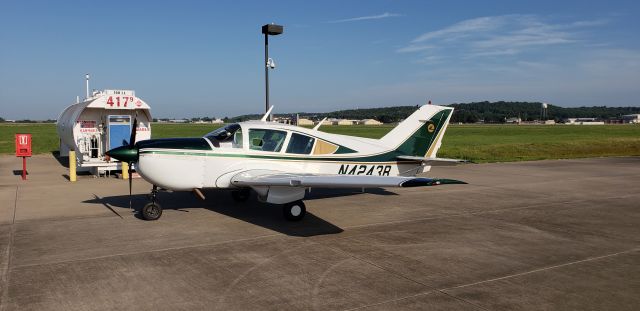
(241, 195)
(151, 211)
(294, 211)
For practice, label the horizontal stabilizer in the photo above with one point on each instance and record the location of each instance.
(434, 161)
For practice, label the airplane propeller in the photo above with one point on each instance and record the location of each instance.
(129, 154)
(132, 143)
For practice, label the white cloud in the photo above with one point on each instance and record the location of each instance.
(362, 18)
(474, 25)
(414, 48)
(591, 77)
(493, 53)
(499, 36)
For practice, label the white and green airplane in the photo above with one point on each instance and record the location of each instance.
(280, 162)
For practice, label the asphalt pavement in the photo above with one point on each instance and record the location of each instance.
(541, 235)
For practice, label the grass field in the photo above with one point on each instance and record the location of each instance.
(479, 143)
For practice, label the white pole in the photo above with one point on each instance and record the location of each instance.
(87, 78)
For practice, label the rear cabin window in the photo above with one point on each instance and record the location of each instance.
(266, 140)
(323, 147)
(300, 144)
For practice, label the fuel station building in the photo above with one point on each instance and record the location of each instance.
(100, 123)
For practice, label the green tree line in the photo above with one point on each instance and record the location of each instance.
(489, 112)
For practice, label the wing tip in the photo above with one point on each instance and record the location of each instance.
(423, 182)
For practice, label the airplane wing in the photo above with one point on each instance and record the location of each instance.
(434, 161)
(262, 178)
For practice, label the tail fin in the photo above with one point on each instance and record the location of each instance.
(420, 135)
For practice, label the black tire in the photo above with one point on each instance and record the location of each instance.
(294, 211)
(151, 211)
(241, 195)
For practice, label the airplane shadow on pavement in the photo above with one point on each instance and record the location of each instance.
(252, 211)
(323, 193)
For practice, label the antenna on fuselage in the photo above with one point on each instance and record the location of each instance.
(315, 128)
(266, 115)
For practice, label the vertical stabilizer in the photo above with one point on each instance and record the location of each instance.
(420, 135)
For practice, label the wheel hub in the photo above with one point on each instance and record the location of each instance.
(296, 210)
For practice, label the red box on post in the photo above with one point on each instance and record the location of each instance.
(23, 145)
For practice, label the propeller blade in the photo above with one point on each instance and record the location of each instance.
(132, 139)
(132, 142)
(130, 183)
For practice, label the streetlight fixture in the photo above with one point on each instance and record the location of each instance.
(86, 77)
(269, 30)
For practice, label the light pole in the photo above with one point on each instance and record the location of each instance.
(269, 30)
(87, 80)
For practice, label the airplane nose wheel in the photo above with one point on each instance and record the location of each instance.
(294, 211)
(153, 210)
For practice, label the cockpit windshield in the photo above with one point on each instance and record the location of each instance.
(230, 134)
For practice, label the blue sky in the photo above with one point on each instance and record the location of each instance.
(205, 58)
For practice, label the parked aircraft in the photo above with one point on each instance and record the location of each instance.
(280, 162)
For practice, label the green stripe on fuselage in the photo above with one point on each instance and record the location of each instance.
(385, 157)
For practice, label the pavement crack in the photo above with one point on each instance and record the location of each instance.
(147, 252)
(239, 278)
(462, 300)
(375, 265)
(480, 213)
(543, 269)
(7, 264)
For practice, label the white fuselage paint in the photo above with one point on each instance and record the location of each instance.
(206, 169)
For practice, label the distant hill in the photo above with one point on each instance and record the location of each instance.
(490, 112)
(496, 112)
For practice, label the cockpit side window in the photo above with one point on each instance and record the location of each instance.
(237, 139)
(300, 144)
(266, 140)
(226, 136)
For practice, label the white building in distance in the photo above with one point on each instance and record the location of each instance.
(631, 118)
(369, 122)
(304, 122)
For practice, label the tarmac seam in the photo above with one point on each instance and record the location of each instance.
(417, 295)
(146, 252)
(432, 289)
(398, 274)
(7, 266)
(443, 290)
(462, 300)
(543, 269)
(375, 265)
(482, 212)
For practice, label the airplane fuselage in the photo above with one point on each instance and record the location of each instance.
(189, 169)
